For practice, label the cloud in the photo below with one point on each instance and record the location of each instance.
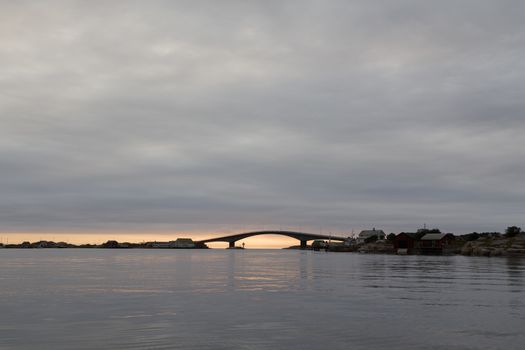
(348, 114)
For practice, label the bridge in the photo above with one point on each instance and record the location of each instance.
(301, 236)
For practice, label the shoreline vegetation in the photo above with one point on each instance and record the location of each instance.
(423, 242)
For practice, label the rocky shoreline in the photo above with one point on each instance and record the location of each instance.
(489, 246)
(485, 246)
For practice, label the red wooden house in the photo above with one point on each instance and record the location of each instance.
(405, 243)
(436, 243)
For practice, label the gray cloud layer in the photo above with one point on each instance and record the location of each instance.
(167, 115)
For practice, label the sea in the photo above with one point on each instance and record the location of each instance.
(257, 299)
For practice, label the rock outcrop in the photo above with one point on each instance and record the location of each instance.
(379, 247)
(514, 246)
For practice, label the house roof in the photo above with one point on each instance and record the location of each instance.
(433, 236)
(366, 233)
(409, 234)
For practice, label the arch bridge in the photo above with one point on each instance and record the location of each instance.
(300, 236)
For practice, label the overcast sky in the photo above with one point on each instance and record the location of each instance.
(216, 115)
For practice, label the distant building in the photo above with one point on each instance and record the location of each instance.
(179, 243)
(406, 243)
(436, 243)
(366, 234)
(183, 243)
(161, 244)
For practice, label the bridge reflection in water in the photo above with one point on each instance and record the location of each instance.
(301, 236)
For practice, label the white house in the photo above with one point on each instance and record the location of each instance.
(365, 234)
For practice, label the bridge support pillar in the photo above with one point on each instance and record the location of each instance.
(232, 244)
(303, 245)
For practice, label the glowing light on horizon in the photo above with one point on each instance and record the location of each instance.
(256, 242)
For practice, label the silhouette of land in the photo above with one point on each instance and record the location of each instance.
(423, 241)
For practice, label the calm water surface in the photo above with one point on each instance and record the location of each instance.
(257, 299)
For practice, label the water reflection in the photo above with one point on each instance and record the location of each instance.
(515, 269)
(227, 299)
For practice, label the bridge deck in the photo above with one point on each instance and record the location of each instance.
(301, 236)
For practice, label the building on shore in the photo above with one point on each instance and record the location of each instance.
(160, 244)
(406, 243)
(186, 243)
(436, 243)
(368, 234)
(183, 243)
